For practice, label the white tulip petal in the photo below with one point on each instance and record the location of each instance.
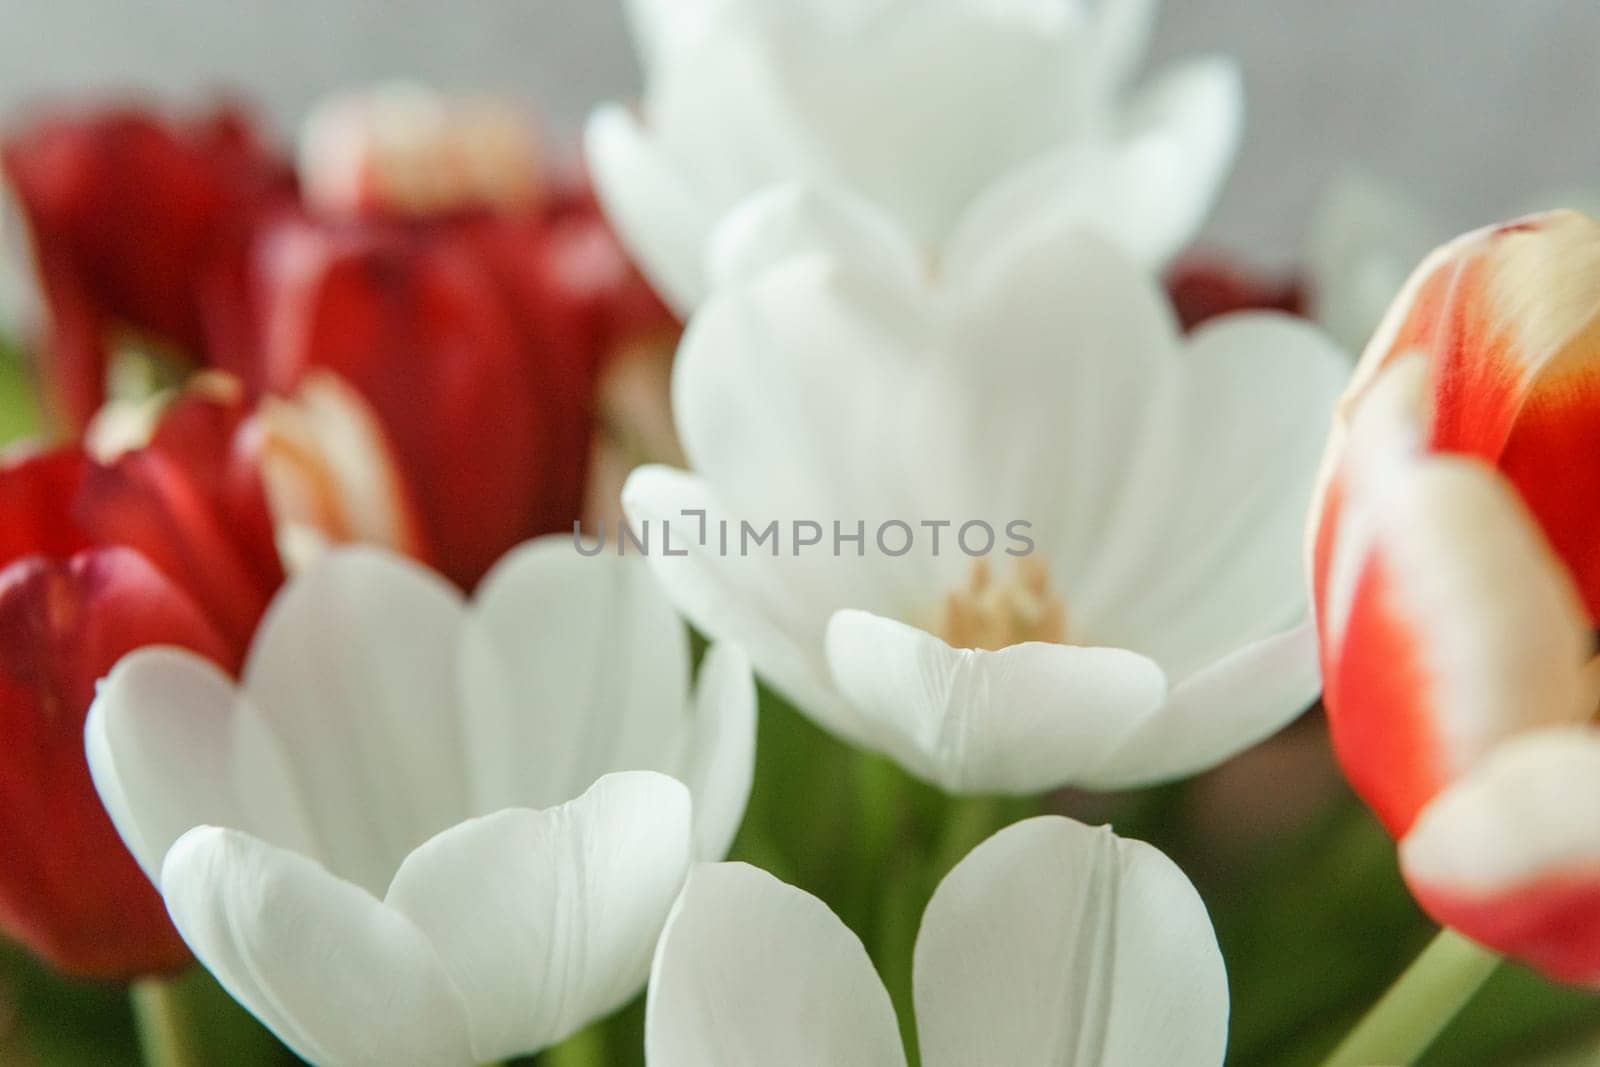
(570, 667)
(1021, 720)
(166, 708)
(1240, 700)
(1205, 556)
(1056, 943)
(954, 403)
(545, 920)
(1056, 358)
(841, 78)
(354, 669)
(1197, 107)
(1122, 37)
(1123, 192)
(1509, 854)
(793, 220)
(738, 598)
(757, 364)
(745, 96)
(1147, 191)
(339, 977)
(752, 971)
(721, 749)
(654, 214)
(1524, 815)
(658, 26)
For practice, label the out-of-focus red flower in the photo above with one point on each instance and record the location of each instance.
(471, 298)
(167, 544)
(1456, 578)
(1204, 286)
(472, 302)
(137, 225)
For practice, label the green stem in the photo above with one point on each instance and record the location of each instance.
(1419, 1005)
(166, 1027)
(587, 1048)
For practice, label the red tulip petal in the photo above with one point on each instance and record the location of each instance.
(1447, 622)
(1510, 317)
(192, 503)
(69, 890)
(37, 494)
(421, 324)
(128, 214)
(331, 475)
(1510, 856)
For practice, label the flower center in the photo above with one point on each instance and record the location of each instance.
(989, 614)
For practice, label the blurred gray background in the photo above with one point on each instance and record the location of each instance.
(1473, 106)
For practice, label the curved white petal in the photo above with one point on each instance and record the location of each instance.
(995, 85)
(1017, 394)
(354, 669)
(1018, 104)
(570, 667)
(339, 977)
(1523, 815)
(1056, 360)
(1022, 720)
(752, 971)
(1212, 715)
(761, 360)
(172, 745)
(791, 220)
(720, 763)
(658, 26)
(655, 215)
(1146, 191)
(1122, 192)
(545, 920)
(1204, 556)
(1056, 943)
(1121, 39)
(741, 598)
(1196, 106)
(1509, 855)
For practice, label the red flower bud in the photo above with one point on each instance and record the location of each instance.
(1457, 586)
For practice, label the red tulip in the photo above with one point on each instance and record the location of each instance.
(473, 308)
(171, 542)
(162, 546)
(137, 225)
(1456, 573)
(468, 297)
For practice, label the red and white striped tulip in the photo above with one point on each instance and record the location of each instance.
(1456, 565)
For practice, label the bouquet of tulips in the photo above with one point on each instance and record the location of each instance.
(825, 580)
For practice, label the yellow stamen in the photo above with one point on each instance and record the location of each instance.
(993, 615)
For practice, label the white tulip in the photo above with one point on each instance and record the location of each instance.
(950, 118)
(1159, 624)
(1051, 943)
(426, 832)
